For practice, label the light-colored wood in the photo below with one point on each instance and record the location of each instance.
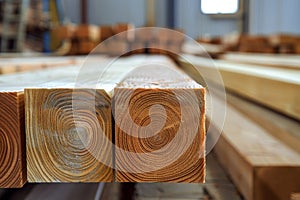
(12, 123)
(63, 146)
(21, 64)
(69, 136)
(90, 32)
(286, 131)
(175, 147)
(266, 60)
(261, 165)
(12, 157)
(258, 83)
(295, 196)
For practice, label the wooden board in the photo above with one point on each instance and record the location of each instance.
(12, 157)
(13, 65)
(257, 83)
(267, 60)
(63, 146)
(69, 130)
(12, 123)
(12, 140)
(172, 138)
(261, 165)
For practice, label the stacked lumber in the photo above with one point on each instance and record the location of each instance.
(258, 83)
(12, 157)
(125, 41)
(261, 165)
(13, 65)
(69, 138)
(258, 147)
(284, 43)
(159, 131)
(266, 60)
(278, 43)
(85, 37)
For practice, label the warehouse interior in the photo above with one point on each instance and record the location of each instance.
(150, 99)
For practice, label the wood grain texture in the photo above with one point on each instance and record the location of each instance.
(266, 60)
(13, 65)
(63, 146)
(12, 140)
(149, 143)
(295, 196)
(260, 84)
(261, 165)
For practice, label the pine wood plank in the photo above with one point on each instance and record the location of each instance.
(12, 122)
(266, 60)
(260, 84)
(67, 145)
(60, 149)
(261, 165)
(13, 65)
(140, 90)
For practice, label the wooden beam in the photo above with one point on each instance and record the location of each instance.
(64, 145)
(267, 60)
(12, 140)
(13, 65)
(260, 84)
(12, 118)
(164, 143)
(12, 123)
(261, 165)
(69, 130)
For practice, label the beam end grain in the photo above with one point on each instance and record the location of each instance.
(12, 140)
(159, 129)
(68, 135)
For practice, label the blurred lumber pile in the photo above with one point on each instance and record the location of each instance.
(277, 43)
(126, 40)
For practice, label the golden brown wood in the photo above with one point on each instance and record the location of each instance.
(261, 166)
(13, 65)
(12, 119)
(295, 196)
(267, 60)
(63, 146)
(257, 83)
(143, 137)
(66, 127)
(12, 140)
(85, 31)
(105, 32)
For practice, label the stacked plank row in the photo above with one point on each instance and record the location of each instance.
(258, 147)
(126, 40)
(69, 131)
(279, 43)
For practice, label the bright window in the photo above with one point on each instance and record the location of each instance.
(219, 6)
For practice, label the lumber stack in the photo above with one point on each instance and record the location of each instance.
(147, 149)
(13, 159)
(258, 147)
(260, 84)
(69, 131)
(85, 37)
(266, 60)
(126, 40)
(260, 164)
(13, 65)
(277, 43)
